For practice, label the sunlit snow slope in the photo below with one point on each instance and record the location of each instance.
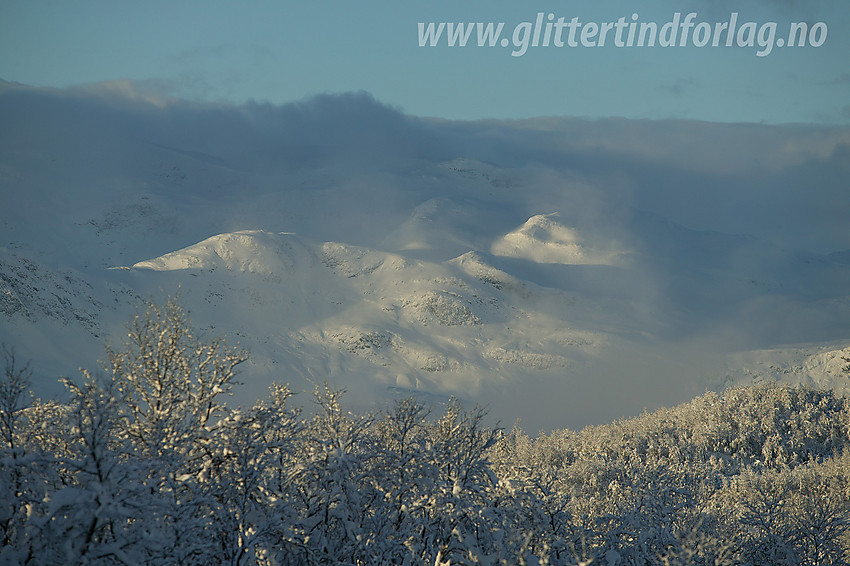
(563, 272)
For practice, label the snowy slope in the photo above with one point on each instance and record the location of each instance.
(340, 240)
(814, 365)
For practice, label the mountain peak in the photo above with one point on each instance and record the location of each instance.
(543, 239)
(247, 251)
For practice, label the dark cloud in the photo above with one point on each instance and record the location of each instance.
(772, 182)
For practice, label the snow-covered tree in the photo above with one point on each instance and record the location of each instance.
(171, 381)
(247, 480)
(106, 514)
(19, 489)
(334, 497)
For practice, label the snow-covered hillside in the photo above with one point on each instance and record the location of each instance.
(555, 270)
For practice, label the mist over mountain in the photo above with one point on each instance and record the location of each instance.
(562, 271)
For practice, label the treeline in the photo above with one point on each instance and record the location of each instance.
(146, 465)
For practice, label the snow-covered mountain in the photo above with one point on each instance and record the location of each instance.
(564, 272)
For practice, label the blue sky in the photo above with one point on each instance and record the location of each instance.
(285, 51)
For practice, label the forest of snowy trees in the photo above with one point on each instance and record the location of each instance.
(144, 464)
